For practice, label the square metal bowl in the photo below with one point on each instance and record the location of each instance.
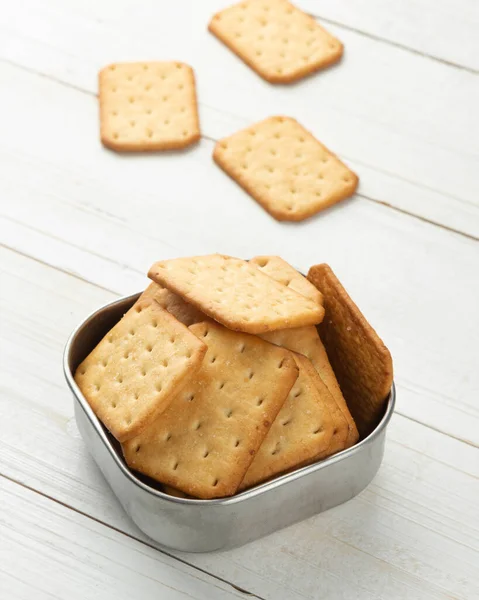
(207, 525)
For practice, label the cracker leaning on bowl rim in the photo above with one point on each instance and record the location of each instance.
(306, 341)
(361, 361)
(205, 441)
(302, 430)
(132, 375)
(236, 293)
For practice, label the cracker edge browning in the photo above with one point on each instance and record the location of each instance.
(123, 434)
(236, 325)
(316, 274)
(278, 213)
(191, 139)
(305, 71)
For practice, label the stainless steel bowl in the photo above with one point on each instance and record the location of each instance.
(206, 525)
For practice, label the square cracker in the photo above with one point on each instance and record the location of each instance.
(174, 304)
(148, 106)
(302, 430)
(205, 441)
(276, 39)
(235, 293)
(135, 371)
(361, 361)
(306, 341)
(285, 168)
(281, 271)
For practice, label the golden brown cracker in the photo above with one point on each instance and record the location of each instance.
(134, 372)
(302, 430)
(148, 106)
(306, 341)
(171, 491)
(285, 168)
(360, 360)
(277, 40)
(174, 304)
(235, 293)
(281, 271)
(205, 441)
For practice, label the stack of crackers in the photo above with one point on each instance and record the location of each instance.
(217, 379)
(151, 106)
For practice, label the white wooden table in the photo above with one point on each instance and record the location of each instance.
(81, 225)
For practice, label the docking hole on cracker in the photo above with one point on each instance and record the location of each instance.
(148, 106)
(218, 378)
(277, 40)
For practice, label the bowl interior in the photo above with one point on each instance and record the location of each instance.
(89, 334)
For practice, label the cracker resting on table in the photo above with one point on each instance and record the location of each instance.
(235, 293)
(277, 40)
(132, 375)
(205, 441)
(148, 106)
(285, 168)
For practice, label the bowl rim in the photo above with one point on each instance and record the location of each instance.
(240, 497)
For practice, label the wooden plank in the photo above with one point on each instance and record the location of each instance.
(379, 109)
(444, 30)
(50, 551)
(414, 530)
(108, 217)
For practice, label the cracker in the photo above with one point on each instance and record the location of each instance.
(205, 441)
(171, 491)
(302, 430)
(285, 168)
(361, 361)
(306, 341)
(148, 106)
(280, 270)
(235, 293)
(174, 304)
(276, 39)
(137, 368)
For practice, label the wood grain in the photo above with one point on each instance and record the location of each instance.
(50, 551)
(414, 529)
(85, 225)
(379, 109)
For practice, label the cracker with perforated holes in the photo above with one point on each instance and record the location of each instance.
(135, 371)
(285, 168)
(174, 304)
(281, 271)
(235, 293)
(360, 360)
(306, 341)
(205, 441)
(302, 430)
(148, 106)
(276, 39)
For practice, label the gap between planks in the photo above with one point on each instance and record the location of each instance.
(130, 536)
(87, 92)
(382, 40)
